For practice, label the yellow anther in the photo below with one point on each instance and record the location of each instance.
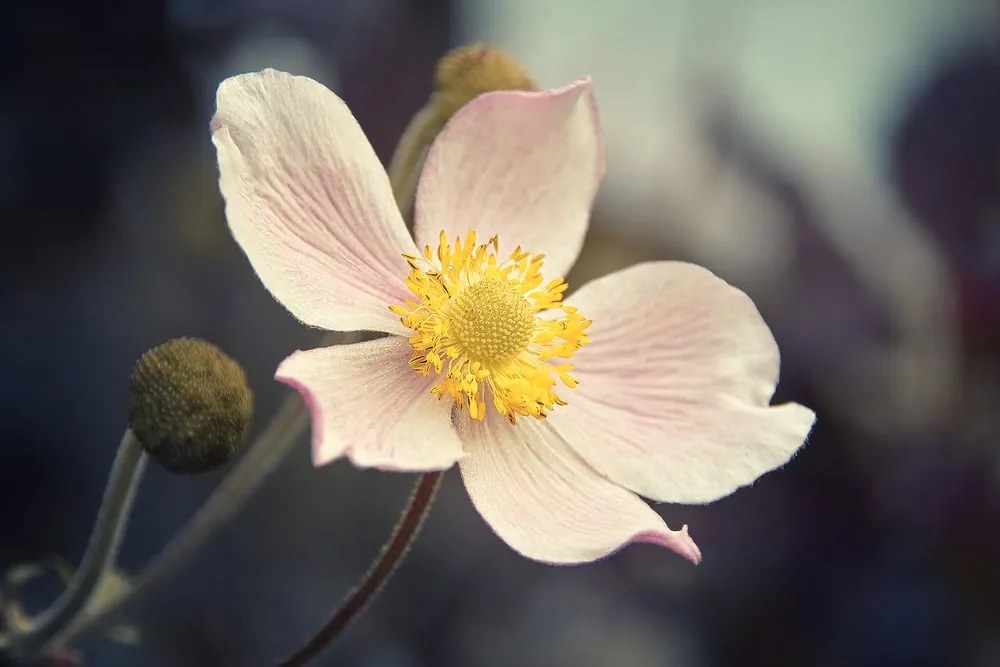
(476, 324)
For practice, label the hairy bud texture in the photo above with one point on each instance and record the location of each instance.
(190, 405)
(466, 72)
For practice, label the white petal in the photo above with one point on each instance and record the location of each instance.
(547, 503)
(675, 386)
(521, 165)
(309, 202)
(367, 404)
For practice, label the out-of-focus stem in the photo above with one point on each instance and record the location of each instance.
(112, 518)
(404, 169)
(263, 457)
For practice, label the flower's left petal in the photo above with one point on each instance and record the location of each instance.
(521, 165)
(674, 388)
(547, 503)
(309, 202)
(368, 405)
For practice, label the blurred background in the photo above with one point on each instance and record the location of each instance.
(840, 162)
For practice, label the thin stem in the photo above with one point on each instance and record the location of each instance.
(409, 155)
(378, 574)
(263, 457)
(112, 518)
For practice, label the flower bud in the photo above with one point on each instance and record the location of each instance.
(190, 405)
(469, 71)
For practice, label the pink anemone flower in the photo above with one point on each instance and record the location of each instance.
(652, 381)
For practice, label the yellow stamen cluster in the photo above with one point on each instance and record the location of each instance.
(478, 324)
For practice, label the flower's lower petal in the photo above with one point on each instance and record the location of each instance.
(544, 501)
(674, 387)
(524, 166)
(366, 404)
(309, 202)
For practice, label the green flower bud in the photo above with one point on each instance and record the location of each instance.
(190, 405)
(469, 71)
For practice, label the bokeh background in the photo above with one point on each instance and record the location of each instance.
(840, 162)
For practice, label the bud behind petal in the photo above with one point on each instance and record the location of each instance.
(190, 405)
(469, 71)
(462, 74)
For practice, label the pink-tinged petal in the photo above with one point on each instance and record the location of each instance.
(544, 501)
(368, 405)
(309, 202)
(675, 386)
(521, 165)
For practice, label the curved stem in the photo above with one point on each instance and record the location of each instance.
(112, 518)
(404, 169)
(378, 573)
(263, 457)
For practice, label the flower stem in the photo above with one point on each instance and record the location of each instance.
(263, 457)
(404, 169)
(112, 518)
(378, 573)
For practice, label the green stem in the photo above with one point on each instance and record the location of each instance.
(126, 473)
(404, 169)
(263, 457)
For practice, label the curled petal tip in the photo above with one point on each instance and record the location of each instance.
(693, 553)
(676, 540)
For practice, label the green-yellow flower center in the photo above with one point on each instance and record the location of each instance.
(477, 324)
(492, 321)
